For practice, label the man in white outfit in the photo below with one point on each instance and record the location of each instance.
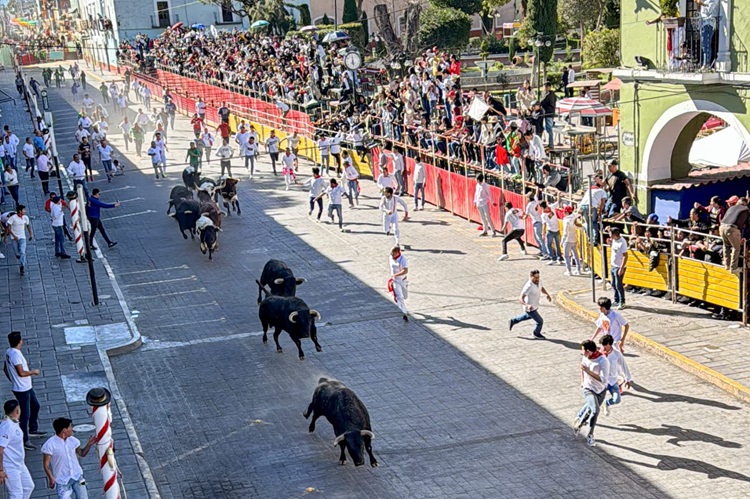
(389, 206)
(13, 471)
(386, 180)
(483, 201)
(397, 283)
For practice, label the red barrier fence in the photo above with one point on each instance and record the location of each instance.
(455, 193)
(443, 188)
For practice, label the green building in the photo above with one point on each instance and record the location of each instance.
(676, 75)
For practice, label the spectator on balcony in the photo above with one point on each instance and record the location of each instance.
(716, 210)
(709, 12)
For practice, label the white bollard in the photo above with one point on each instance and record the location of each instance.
(99, 399)
(75, 216)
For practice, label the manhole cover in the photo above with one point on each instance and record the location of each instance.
(84, 428)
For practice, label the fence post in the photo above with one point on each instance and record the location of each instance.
(603, 253)
(672, 267)
(87, 241)
(99, 399)
(745, 289)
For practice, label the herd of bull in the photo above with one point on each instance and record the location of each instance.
(282, 310)
(203, 216)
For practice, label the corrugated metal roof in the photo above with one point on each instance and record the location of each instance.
(705, 176)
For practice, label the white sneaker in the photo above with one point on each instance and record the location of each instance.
(2, 256)
(590, 441)
(523, 252)
(566, 273)
(503, 257)
(576, 272)
(606, 410)
(551, 262)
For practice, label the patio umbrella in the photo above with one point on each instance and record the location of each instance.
(177, 25)
(335, 36)
(583, 107)
(198, 26)
(309, 28)
(259, 24)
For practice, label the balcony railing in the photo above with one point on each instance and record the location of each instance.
(683, 47)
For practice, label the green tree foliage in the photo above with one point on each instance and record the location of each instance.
(305, 19)
(487, 13)
(589, 14)
(445, 28)
(466, 6)
(356, 33)
(350, 14)
(325, 21)
(541, 17)
(601, 49)
(275, 12)
(365, 26)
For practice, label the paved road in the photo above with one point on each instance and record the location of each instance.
(460, 406)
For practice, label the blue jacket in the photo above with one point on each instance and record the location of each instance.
(94, 206)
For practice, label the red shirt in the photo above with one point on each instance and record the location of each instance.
(197, 124)
(224, 130)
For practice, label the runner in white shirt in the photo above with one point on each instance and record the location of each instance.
(81, 133)
(207, 139)
(60, 459)
(105, 156)
(552, 226)
(17, 227)
(398, 285)
(335, 194)
(595, 367)
(483, 201)
(293, 141)
(570, 241)
(28, 155)
(288, 164)
(88, 103)
(249, 149)
(324, 146)
(352, 180)
(389, 207)
(335, 142)
(515, 218)
(317, 186)
(618, 260)
(529, 298)
(611, 322)
(272, 146)
(200, 108)
(13, 471)
(617, 368)
(42, 167)
(161, 144)
(419, 181)
(386, 180)
(85, 122)
(533, 212)
(398, 170)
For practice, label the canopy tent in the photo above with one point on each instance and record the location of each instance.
(582, 106)
(724, 148)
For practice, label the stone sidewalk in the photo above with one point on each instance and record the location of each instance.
(66, 336)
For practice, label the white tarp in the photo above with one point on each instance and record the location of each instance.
(723, 148)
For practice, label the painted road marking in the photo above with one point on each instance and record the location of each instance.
(153, 270)
(131, 214)
(191, 278)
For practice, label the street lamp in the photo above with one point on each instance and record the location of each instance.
(536, 43)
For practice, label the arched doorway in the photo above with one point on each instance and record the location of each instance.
(668, 145)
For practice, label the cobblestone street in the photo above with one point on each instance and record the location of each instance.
(460, 406)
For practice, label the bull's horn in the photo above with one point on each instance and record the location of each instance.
(367, 433)
(223, 213)
(301, 280)
(172, 215)
(278, 281)
(188, 212)
(315, 313)
(293, 316)
(205, 214)
(339, 439)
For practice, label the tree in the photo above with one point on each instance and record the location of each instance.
(365, 26)
(470, 7)
(240, 7)
(541, 20)
(601, 49)
(444, 27)
(326, 20)
(305, 19)
(587, 15)
(487, 13)
(350, 14)
(280, 20)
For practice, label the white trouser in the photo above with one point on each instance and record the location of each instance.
(401, 290)
(391, 220)
(484, 212)
(19, 483)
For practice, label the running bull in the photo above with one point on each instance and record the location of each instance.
(290, 314)
(348, 416)
(228, 192)
(209, 235)
(187, 214)
(279, 277)
(177, 195)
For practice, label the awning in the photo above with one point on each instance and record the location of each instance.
(725, 148)
(615, 84)
(705, 176)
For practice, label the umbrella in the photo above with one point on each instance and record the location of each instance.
(583, 107)
(335, 36)
(259, 24)
(309, 28)
(198, 26)
(177, 25)
(615, 84)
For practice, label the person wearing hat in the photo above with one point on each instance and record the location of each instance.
(58, 222)
(13, 471)
(60, 459)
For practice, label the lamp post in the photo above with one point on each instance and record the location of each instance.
(536, 43)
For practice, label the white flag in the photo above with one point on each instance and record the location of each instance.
(478, 109)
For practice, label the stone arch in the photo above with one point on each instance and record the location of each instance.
(668, 144)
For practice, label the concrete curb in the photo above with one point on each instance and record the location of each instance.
(734, 388)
